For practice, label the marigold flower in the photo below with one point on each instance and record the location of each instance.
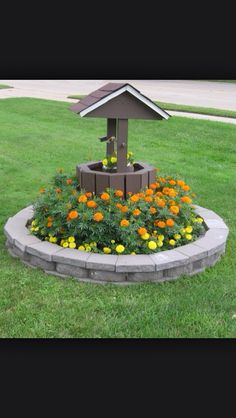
(186, 199)
(189, 229)
(120, 248)
(152, 245)
(69, 181)
(124, 222)
(160, 237)
(159, 243)
(71, 239)
(180, 183)
(186, 188)
(105, 196)
(172, 203)
(161, 203)
(142, 231)
(82, 199)
(177, 237)
(81, 248)
(88, 194)
(98, 217)
(119, 193)
(161, 224)
(148, 199)
(149, 192)
(124, 209)
(152, 210)
(153, 186)
(65, 244)
(119, 205)
(170, 222)
(172, 242)
(172, 182)
(91, 204)
(106, 250)
(72, 245)
(172, 193)
(58, 190)
(134, 198)
(49, 224)
(174, 210)
(136, 212)
(159, 194)
(145, 236)
(188, 237)
(73, 214)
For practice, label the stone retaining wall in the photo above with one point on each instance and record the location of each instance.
(123, 269)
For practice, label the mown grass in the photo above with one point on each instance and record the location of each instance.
(39, 136)
(184, 108)
(5, 86)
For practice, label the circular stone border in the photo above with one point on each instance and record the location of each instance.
(186, 260)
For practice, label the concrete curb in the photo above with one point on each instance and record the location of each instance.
(188, 260)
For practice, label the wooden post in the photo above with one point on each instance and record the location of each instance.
(122, 145)
(111, 131)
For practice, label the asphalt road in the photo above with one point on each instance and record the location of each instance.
(189, 92)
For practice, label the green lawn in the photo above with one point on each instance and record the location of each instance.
(39, 136)
(5, 86)
(184, 108)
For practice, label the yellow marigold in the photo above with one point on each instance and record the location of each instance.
(159, 243)
(71, 239)
(119, 193)
(152, 245)
(106, 250)
(186, 199)
(72, 245)
(65, 244)
(105, 196)
(120, 249)
(189, 229)
(81, 248)
(136, 212)
(160, 237)
(98, 217)
(172, 242)
(145, 236)
(188, 237)
(124, 222)
(177, 237)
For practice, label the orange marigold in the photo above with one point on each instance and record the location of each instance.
(172, 193)
(152, 210)
(136, 212)
(91, 204)
(170, 222)
(186, 199)
(69, 181)
(161, 203)
(119, 205)
(160, 224)
(134, 198)
(174, 210)
(172, 203)
(82, 199)
(153, 186)
(124, 209)
(149, 192)
(142, 231)
(180, 183)
(98, 217)
(119, 193)
(49, 224)
(105, 196)
(172, 182)
(73, 214)
(148, 199)
(124, 222)
(88, 194)
(159, 194)
(186, 188)
(58, 190)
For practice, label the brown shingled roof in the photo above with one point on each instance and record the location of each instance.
(97, 95)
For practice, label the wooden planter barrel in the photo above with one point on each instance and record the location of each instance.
(93, 179)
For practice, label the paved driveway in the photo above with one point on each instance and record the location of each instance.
(189, 92)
